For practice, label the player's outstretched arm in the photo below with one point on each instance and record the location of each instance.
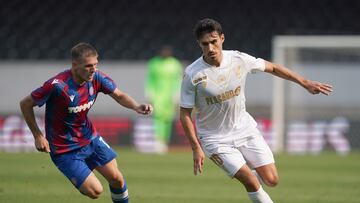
(198, 154)
(128, 102)
(314, 87)
(26, 105)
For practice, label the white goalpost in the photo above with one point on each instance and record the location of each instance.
(335, 59)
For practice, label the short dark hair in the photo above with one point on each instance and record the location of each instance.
(82, 50)
(207, 25)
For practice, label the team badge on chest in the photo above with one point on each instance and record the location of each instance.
(91, 90)
(221, 79)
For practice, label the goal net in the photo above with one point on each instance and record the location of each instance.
(305, 123)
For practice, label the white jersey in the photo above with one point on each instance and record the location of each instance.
(217, 93)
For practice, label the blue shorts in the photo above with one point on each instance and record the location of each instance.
(78, 164)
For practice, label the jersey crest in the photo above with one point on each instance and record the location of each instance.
(91, 90)
(221, 79)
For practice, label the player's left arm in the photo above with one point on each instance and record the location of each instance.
(128, 102)
(314, 87)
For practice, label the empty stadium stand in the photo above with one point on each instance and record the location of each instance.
(135, 29)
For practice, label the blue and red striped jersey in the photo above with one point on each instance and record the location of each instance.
(67, 125)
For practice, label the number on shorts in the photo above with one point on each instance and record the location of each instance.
(216, 159)
(103, 141)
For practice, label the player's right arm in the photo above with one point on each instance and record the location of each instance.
(27, 108)
(127, 101)
(198, 154)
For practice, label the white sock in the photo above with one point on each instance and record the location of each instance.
(258, 177)
(260, 196)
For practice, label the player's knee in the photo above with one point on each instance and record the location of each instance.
(272, 180)
(115, 178)
(95, 193)
(249, 181)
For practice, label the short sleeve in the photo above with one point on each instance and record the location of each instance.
(253, 64)
(187, 95)
(42, 94)
(106, 84)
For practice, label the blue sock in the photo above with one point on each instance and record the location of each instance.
(119, 195)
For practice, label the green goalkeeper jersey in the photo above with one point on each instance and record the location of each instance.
(163, 84)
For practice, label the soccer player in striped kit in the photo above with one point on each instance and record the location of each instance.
(214, 84)
(71, 139)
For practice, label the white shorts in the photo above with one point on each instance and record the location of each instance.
(231, 156)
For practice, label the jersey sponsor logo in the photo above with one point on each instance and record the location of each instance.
(223, 96)
(81, 108)
(197, 80)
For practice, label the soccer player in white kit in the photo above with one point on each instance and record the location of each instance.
(214, 84)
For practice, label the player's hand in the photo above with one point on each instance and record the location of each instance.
(41, 144)
(198, 156)
(144, 109)
(315, 87)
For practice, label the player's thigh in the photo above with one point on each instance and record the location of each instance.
(256, 152)
(111, 172)
(227, 158)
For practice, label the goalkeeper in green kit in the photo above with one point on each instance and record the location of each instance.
(162, 87)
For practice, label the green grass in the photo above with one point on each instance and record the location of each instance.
(326, 178)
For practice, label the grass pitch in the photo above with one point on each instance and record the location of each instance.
(325, 178)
